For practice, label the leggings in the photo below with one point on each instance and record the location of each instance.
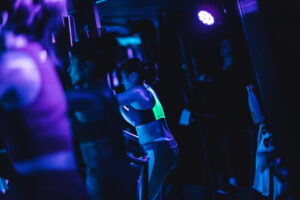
(163, 158)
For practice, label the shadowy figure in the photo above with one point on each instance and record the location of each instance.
(97, 123)
(34, 122)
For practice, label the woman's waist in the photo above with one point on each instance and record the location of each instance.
(146, 137)
(153, 131)
(170, 141)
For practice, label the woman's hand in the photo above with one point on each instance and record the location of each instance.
(138, 95)
(124, 113)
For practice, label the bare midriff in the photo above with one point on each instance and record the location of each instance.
(156, 130)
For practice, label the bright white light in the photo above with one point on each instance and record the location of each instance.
(206, 18)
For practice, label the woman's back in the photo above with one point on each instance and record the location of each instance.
(37, 131)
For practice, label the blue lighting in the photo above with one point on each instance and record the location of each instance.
(206, 18)
(100, 1)
(133, 40)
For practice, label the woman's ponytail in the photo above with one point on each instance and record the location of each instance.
(151, 73)
(147, 72)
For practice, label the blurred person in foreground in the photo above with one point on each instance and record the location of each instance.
(34, 124)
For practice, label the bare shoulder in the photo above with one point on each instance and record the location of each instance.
(137, 94)
(144, 93)
(18, 67)
(141, 89)
(20, 73)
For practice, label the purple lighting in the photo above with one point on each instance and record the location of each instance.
(206, 18)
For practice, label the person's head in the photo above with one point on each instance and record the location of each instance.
(92, 59)
(226, 49)
(134, 72)
(37, 19)
(83, 59)
(79, 70)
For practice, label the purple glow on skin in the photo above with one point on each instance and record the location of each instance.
(13, 41)
(206, 18)
(129, 53)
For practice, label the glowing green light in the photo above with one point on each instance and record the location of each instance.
(157, 109)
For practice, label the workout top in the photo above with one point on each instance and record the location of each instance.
(42, 127)
(101, 110)
(141, 117)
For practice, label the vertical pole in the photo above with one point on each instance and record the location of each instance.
(86, 17)
(145, 181)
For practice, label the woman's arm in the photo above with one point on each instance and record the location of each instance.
(20, 75)
(137, 94)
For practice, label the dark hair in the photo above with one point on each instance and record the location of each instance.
(102, 52)
(5, 5)
(37, 20)
(147, 72)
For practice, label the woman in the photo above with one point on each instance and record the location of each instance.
(141, 108)
(97, 123)
(34, 123)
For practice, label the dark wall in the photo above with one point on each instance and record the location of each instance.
(274, 31)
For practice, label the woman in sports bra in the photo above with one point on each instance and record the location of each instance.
(141, 108)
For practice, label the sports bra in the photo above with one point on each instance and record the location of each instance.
(141, 117)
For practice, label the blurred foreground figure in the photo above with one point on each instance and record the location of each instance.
(97, 123)
(34, 123)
